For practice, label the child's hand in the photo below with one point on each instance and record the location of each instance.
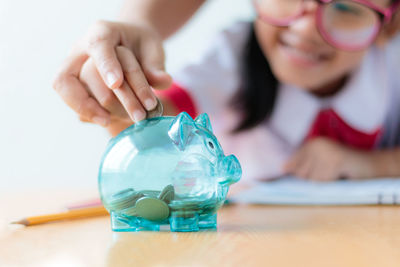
(109, 99)
(125, 62)
(325, 160)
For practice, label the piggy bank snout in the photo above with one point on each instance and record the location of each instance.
(230, 170)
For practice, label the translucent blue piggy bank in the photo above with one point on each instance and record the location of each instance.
(166, 170)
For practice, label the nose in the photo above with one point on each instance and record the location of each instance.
(306, 25)
(310, 6)
(230, 170)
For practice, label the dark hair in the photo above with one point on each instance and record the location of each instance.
(256, 96)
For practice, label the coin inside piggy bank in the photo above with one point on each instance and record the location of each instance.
(166, 171)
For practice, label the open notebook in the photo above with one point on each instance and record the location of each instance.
(292, 191)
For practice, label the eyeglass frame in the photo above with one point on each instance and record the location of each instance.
(385, 16)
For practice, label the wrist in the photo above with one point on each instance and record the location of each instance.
(380, 163)
(355, 165)
(139, 21)
(386, 163)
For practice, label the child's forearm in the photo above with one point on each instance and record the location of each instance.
(385, 163)
(165, 16)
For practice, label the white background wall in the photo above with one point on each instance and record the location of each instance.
(42, 142)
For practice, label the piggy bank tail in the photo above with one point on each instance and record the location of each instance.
(230, 171)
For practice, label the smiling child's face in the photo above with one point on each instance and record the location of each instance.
(298, 55)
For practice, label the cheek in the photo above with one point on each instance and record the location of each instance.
(345, 62)
(332, 71)
(267, 37)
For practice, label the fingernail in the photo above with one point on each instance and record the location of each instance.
(100, 120)
(111, 79)
(158, 72)
(150, 104)
(139, 115)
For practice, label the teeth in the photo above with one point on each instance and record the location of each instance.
(302, 54)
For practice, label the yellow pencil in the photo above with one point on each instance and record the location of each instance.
(67, 215)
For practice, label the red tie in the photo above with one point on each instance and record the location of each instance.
(329, 124)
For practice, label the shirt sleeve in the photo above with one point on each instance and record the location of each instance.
(181, 99)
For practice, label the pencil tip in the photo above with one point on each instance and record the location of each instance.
(23, 221)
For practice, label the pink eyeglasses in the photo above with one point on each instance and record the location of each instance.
(345, 24)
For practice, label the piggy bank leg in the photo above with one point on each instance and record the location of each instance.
(207, 221)
(184, 221)
(132, 224)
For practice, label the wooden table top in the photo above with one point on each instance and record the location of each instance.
(247, 235)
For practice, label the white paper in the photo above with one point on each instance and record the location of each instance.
(292, 191)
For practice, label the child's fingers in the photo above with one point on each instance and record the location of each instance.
(304, 168)
(322, 173)
(101, 44)
(152, 58)
(288, 166)
(72, 91)
(294, 162)
(136, 78)
(90, 77)
(130, 102)
(317, 171)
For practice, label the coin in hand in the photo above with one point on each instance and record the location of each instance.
(157, 111)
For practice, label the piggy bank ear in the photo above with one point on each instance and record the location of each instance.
(204, 121)
(181, 129)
